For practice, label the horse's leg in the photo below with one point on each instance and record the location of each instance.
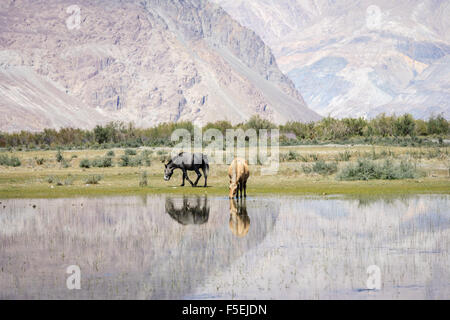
(245, 189)
(187, 177)
(199, 175)
(240, 188)
(184, 177)
(205, 174)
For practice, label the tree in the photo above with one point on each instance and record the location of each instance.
(405, 126)
(438, 125)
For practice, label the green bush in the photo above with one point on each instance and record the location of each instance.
(161, 152)
(59, 156)
(104, 162)
(110, 153)
(85, 163)
(94, 179)
(366, 169)
(306, 169)
(130, 152)
(69, 180)
(343, 156)
(65, 164)
(143, 159)
(321, 167)
(12, 161)
(124, 161)
(292, 155)
(39, 161)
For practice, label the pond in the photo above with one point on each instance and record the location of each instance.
(199, 247)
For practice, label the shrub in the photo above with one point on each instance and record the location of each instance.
(124, 161)
(59, 156)
(50, 179)
(85, 163)
(104, 162)
(39, 161)
(321, 167)
(9, 161)
(94, 179)
(142, 159)
(366, 170)
(306, 169)
(68, 181)
(110, 153)
(65, 164)
(292, 155)
(143, 182)
(343, 156)
(130, 152)
(161, 152)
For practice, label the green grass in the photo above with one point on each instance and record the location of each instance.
(51, 179)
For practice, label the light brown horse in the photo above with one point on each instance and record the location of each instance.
(238, 173)
(239, 220)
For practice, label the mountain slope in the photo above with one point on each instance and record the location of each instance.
(142, 61)
(357, 58)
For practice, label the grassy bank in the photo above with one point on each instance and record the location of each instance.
(43, 174)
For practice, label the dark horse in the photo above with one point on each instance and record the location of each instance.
(188, 162)
(193, 210)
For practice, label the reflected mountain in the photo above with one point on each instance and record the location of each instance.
(295, 247)
(126, 248)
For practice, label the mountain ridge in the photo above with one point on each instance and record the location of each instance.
(145, 62)
(357, 58)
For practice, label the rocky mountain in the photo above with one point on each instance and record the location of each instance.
(358, 58)
(152, 61)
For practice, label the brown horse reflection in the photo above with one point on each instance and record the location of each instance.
(239, 219)
(191, 212)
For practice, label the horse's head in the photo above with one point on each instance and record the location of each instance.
(168, 171)
(233, 190)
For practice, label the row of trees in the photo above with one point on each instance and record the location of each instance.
(326, 130)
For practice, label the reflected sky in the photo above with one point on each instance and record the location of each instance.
(175, 247)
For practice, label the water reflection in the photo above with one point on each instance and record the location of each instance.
(296, 247)
(190, 212)
(239, 220)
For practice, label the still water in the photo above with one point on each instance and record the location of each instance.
(174, 247)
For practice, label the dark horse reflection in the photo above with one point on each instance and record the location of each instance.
(239, 220)
(193, 210)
